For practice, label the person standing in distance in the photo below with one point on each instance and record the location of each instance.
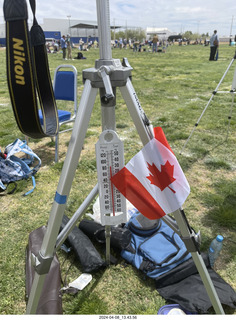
(214, 43)
(69, 49)
(154, 43)
(63, 47)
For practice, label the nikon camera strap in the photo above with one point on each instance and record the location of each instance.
(28, 72)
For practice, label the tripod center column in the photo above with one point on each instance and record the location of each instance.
(104, 33)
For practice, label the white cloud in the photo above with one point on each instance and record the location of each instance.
(177, 15)
(189, 10)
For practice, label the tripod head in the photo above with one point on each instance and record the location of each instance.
(108, 73)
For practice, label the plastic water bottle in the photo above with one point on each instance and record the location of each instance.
(214, 249)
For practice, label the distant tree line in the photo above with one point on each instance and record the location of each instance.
(135, 34)
(140, 35)
(194, 36)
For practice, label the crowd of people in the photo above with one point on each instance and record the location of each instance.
(153, 45)
(138, 46)
(65, 45)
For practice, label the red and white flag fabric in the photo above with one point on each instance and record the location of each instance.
(153, 180)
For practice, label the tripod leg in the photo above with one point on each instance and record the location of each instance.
(43, 260)
(73, 220)
(230, 115)
(203, 272)
(140, 120)
(143, 128)
(199, 119)
(198, 260)
(233, 87)
(204, 110)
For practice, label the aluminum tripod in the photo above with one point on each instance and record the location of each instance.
(232, 92)
(107, 75)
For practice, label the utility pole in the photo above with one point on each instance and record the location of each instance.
(69, 16)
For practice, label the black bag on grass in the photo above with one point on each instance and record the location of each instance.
(120, 237)
(80, 56)
(183, 285)
(83, 248)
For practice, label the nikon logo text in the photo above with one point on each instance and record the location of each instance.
(19, 59)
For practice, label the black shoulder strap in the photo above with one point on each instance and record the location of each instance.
(28, 72)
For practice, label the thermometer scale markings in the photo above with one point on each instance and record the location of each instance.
(110, 165)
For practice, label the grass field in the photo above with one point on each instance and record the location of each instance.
(173, 89)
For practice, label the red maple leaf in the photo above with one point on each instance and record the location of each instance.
(162, 179)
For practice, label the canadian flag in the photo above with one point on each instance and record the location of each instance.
(153, 180)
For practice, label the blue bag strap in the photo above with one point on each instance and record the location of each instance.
(21, 146)
(28, 172)
(2, 185)
(34, 185)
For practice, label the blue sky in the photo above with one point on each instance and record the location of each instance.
(177, 15)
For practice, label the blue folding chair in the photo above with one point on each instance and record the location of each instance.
(65, 89)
